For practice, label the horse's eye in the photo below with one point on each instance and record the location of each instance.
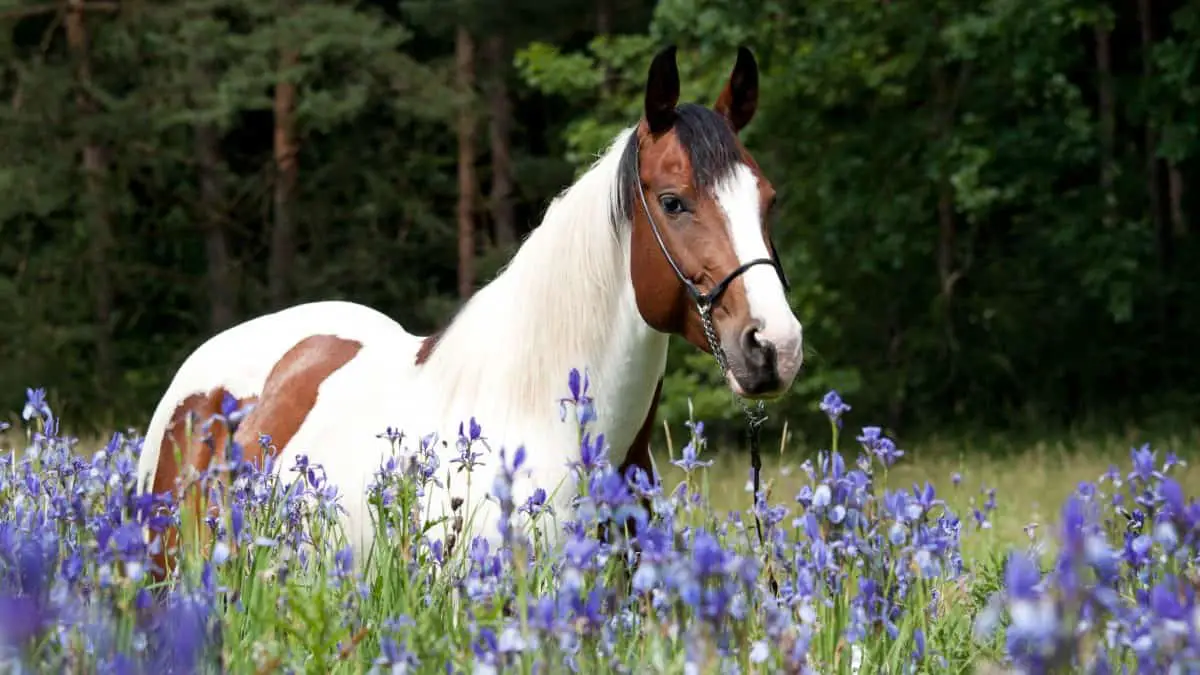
(671, 204)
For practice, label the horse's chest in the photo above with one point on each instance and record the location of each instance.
(625, 410)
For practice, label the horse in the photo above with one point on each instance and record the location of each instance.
(667, 232)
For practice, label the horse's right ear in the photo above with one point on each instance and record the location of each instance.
(739, 98)
(662, 91)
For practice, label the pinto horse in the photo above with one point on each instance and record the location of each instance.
(666, 233)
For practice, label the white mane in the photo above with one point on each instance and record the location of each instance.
(551, 307)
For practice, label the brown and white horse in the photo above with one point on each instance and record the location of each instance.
(670, 219)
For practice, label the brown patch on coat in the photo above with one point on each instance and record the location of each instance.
(638, 455)
(289, 394)
(198, 434)
(639, 450)
(427, 346)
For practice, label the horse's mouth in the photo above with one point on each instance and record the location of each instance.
(766, 394)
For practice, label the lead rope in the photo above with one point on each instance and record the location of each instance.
(754, 420)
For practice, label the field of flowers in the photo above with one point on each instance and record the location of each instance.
(856, 576)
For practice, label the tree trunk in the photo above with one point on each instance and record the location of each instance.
(949, 270)
(605, 10)
(896, 364)
(500, 130)
(604, 17)
(946, 236)
(464, 59)
(1153, 178)
(946, 101)
(1108, 122)
(220, 269)
(1175, 184)
(283, 232)
(94, 164)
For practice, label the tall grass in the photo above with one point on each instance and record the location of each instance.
(1027, 482)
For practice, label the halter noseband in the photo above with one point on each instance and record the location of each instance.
(704, 304)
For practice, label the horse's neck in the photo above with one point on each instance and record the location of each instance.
(625, 376)
(531, 326)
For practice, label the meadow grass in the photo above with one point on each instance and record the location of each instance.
(1031, 479)
(873, 562)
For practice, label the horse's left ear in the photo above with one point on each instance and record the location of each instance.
(739, 99)
(662, 91)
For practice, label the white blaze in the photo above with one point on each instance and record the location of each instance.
(738, 195)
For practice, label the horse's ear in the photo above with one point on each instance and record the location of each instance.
(739, 99)
(662, 91)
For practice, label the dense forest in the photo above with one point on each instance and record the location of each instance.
(988, 209)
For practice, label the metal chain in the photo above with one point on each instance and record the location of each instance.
(754, 416)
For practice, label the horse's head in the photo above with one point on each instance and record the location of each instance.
(701, 243)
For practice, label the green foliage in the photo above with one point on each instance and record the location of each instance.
(362, 102)
(964, 239)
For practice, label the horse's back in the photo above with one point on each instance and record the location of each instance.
(239, 359)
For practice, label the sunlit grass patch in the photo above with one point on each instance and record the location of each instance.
(1026, 483)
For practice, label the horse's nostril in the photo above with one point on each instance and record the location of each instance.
(752, 344)
(757, 367)
(750, 338)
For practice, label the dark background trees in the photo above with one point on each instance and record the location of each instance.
(989, 210)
